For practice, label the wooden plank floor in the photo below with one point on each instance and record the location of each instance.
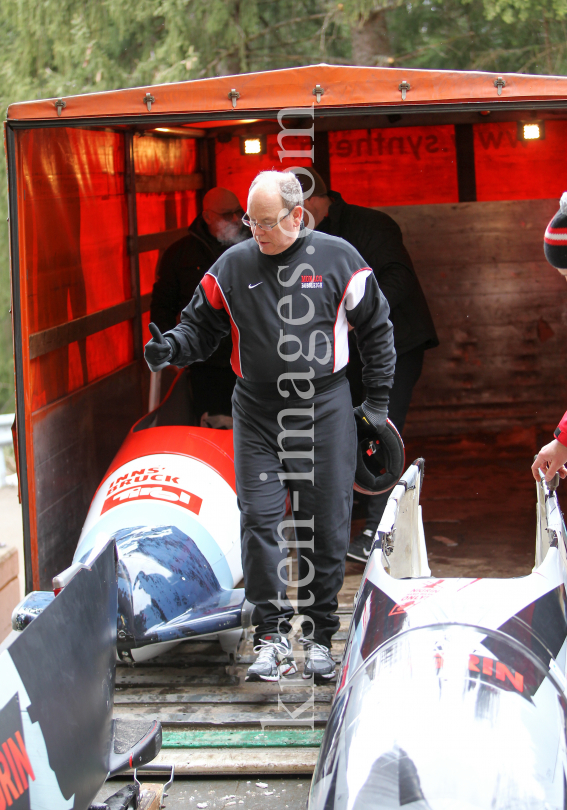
(478, 494)
(192, 689)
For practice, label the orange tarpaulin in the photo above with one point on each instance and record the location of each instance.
(343, 86)
(74, 227)
(511, 169)
(165, 210)
(236, 171)
(397, 166)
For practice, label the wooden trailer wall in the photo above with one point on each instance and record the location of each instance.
(501, 315)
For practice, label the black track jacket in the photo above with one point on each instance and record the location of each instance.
(181, 268)
(290, 313)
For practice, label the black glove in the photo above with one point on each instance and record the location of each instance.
(374, 409)
(159, 350)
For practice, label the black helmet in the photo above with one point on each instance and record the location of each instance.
(555, 238)
(380, 457)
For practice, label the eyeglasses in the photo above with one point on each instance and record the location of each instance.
(229, 216)
(250, 223)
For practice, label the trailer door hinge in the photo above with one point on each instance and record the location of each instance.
(499, 83)
(60, 106)
(234, 95)
(404, 87)
(148, 101)
(318, 92)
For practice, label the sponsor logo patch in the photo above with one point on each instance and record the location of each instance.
(15, 766)
(312, 282)
(171, 494)
(417, 595)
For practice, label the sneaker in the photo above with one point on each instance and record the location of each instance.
(318, 662)
(275, 659)
(359, 548)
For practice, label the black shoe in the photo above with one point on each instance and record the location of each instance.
(359, 548)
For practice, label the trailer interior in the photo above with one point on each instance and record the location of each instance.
(470, 165)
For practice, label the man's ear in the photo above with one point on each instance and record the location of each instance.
(207, 216)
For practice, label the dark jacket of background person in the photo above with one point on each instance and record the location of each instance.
(379, 239)
(180, 270)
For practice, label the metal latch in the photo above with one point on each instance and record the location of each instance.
(148, 101)
(318, 92)
(158, 769)
(234, 95)
(404, 87)
(387, 540)
(499, 83)
(60, 106)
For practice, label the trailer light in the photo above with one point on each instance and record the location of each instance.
(532, 131)
(253, 146)
(180, 132)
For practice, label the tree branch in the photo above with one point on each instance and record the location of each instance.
(229, 51)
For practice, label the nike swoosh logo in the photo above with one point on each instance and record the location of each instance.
(251, 286)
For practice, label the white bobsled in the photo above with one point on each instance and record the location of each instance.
(452, 692)
(168, 501)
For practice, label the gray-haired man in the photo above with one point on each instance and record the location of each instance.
(289, 296)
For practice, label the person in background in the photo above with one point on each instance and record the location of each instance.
(379, 241)
(553, 457)
(180, 270)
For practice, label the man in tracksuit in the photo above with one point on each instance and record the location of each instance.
(288, 297)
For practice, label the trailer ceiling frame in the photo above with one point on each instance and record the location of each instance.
(325, 112)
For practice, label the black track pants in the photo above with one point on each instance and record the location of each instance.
(321, 499)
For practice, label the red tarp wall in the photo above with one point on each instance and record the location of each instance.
(162, 210)
(73, 226)
(511, 169)
(417, 165)
(236, 171)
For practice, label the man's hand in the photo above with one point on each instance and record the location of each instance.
(377, 416)
(159, 350)
(551, 459)
(375, 407)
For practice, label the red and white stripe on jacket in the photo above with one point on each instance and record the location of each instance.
(217, 300)
(353, 295)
